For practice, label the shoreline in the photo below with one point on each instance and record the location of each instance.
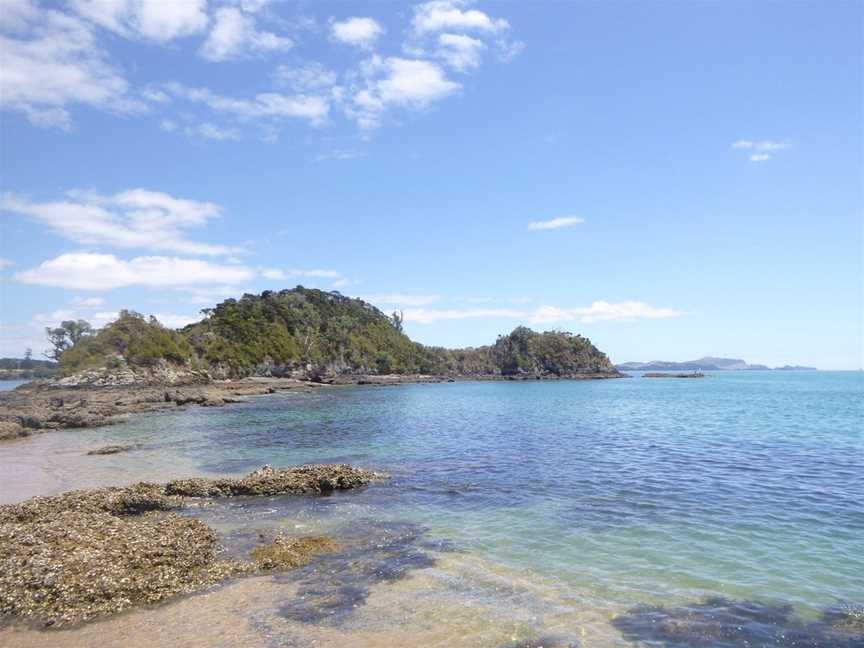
(43, 406)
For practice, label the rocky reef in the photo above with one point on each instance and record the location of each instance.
(42, 406)
(84, 554)
(662, 374)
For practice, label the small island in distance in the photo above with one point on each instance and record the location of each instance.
(707, 363)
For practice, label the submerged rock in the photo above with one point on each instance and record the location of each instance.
(84, 554)
(315, 479)
(718, 621)
(287, 553)
(846, 616)
(110, 449)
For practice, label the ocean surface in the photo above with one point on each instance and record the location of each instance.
(724, 511)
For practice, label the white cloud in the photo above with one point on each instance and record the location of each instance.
(308, 77)
(509, 50)
(88, 302)
(763, 145)
(399, 299)
(448, 15)
(212, 131)
(51, 60)
(429, 316)
(411, 82)
(157, 20)
(264, 105)
(176, 320)
(207, 295)
(459, 51)
(99, 319)
(440, 29)
(489, 300)
(5, 263)
(394, 81)
(339, 154)
(87, 271)
(600, 311)
(761, 150)
(136, 218)
(359, 32)
(278, 275)
(253, 6)
(41, 320)
(235, 35)
(556, 223)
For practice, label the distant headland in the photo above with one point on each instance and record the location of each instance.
(707, 363)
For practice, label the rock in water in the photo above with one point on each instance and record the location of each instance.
(315, 479)
(84, 554)
(287, 553)
(110, 449)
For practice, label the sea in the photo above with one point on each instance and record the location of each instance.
(721, 511)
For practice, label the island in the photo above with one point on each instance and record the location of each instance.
(291, 339)
(708, 363)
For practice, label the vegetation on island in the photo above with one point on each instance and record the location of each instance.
(311, 333)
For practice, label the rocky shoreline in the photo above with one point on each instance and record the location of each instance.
(47, 405)
(86, 554)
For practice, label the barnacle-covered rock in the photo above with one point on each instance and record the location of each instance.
(314, 479)
(74, 557)
(77, 565)
(287, 553)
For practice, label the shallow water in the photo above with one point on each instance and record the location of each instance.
(7, 385)
(723, 511)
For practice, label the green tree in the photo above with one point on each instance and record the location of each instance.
(65, 336)
(27, 363)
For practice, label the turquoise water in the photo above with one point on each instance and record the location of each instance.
(745, 490)
(6, 385)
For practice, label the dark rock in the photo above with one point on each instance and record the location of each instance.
(31, 421)
(111, 449)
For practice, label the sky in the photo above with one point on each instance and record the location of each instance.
(670, 179)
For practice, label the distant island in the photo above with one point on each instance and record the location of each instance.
(707, 363)
(794, 368)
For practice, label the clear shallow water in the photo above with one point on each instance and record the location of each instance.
(6, 385)
(567, 510)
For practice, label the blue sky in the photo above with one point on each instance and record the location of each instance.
(670, 179)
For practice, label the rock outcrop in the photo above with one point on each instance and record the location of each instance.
(85, 554)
